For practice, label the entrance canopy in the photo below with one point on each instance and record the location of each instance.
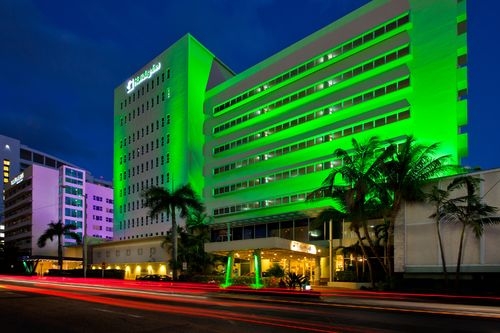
(273, 248)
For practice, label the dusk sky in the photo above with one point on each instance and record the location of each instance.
(60, 62)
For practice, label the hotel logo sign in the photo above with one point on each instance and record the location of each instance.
(146, 75)
(18, 179)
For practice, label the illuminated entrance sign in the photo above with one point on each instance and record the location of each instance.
(147, 74)
(302, 247)
(17, 179)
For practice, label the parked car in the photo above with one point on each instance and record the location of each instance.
(154, 277)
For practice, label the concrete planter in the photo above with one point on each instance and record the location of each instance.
(349, 285)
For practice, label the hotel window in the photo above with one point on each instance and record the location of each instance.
(462, 27)
(462, 60)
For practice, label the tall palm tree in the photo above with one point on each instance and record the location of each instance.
(191, 246)
(410, 166)
(355, 187)
(377, 179)
(59, 229)
(470, 211)
(183, 199)
(439, 198)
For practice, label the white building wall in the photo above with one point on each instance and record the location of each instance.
(421, 246)
(45, 205)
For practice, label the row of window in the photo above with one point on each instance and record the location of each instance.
(145, 149)
(73, 202)
(298, 230)
(331, 54)
(327, 164)
(343, 104)
(131, 189)
(310, 142)
(141, 92)
(6, 170)
(73, 181)
(317, 87)
(285, 200)
(73, 173)
(39, 158)
(69, 212)
(139, 134)
(142, 236)
(140, 109)
(140, 168)
(141, 221)
(291, 173)
(73, 190)
(99, 198)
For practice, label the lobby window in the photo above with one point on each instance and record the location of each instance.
(301, 230)
(260, 231)
(248, 232)
(287, 230)
(237, 233)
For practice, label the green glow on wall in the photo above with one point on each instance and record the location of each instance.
(229, 271)
(179, 74)
(436, 112)
(257, 262)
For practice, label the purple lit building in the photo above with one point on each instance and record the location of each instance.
(40, 195)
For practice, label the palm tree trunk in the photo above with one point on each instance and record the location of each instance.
(443, 260)
(372, 247)
(370, 269)
(457, 281)
(175, 245)
(59, 254)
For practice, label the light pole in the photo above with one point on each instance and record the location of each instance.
(84, 240)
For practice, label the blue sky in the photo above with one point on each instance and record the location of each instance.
(60, 62)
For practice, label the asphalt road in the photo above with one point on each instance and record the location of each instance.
(62, 306)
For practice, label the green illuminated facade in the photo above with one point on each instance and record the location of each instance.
(158, 126)
(389, 69)
(256, 143)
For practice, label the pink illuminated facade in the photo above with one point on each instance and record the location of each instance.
(40, 195)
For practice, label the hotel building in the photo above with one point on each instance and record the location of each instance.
(15, 158)
(40, 195)
(255, 144)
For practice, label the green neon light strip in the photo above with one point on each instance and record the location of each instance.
(379, 91)
(323, 138)
(321, 60)
(332, 83)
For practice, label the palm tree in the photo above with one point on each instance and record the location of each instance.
(438, 198)
(192, 243)
(377, 180)
(59, 229)
(162, 200)
(358, 193)
(470, 211)
(410, 167)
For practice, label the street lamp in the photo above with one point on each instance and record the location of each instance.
(84, 240)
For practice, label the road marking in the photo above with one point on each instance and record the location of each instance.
(117, 312)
